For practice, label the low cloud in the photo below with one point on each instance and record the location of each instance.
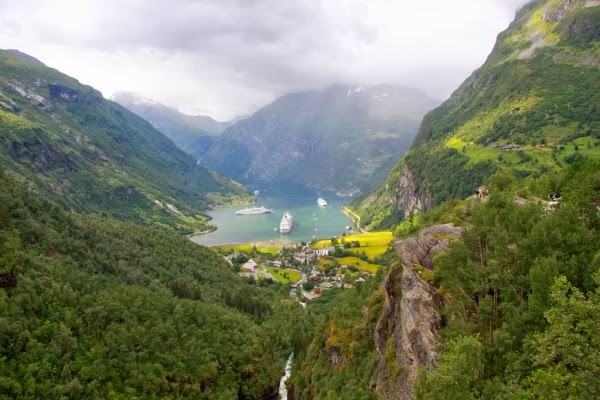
(225, 57)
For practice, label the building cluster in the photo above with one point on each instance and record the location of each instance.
(342, 276)
(304, 257)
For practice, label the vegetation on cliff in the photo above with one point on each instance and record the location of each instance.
(518, 295)
(531, 108)
(521, 298)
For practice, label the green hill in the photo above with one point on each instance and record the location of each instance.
(89, 154)
(533, 107)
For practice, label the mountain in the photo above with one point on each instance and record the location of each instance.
(194, 134)
(338, 138)
(92, 155)
(533, 107)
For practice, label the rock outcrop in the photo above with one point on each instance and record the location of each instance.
(410, 197)
(406, 335)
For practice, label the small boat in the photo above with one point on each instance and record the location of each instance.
(321, 201)
(256, 192)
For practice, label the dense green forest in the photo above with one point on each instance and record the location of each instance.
(95, 308)
(521, 298)
(519, 295)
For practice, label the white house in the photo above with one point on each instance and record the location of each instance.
(250, 266)
(324, 251)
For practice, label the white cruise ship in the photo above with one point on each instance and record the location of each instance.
(254, 210)
(321, 201)
(286, 223)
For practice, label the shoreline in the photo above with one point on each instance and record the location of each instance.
(190, 235)
(353, 217)
(271, 242)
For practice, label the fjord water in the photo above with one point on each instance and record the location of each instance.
(310, 219)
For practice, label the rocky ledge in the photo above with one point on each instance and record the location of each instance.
(406, 335)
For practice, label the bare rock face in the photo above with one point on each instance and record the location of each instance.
(410, 197)
(406, 335)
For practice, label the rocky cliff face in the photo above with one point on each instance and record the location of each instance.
(406, 335)
(410, 197)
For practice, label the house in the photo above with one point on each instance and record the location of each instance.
(249, 266)
(324, 251)
(304, 257)
(309, 296)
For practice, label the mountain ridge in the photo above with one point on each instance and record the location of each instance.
(194, 134)
(89, 154)
(336, 138)
(532, 107)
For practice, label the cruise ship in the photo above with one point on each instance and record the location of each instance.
(254, 210)
(321, 201)
(285, 225)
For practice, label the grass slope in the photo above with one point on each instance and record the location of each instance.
(538, 92)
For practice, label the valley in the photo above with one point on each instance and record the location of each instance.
(310, 219)
(431, 251)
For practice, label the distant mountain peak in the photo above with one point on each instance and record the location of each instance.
(193, 134)
(23, 56)
(133, 98)
(341, 137)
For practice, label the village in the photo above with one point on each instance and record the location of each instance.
(311, 269)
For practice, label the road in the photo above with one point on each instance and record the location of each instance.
(347, 211)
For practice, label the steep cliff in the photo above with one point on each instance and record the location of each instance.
(406, 334)
(532, 107)
(401, 196)
(370, 341)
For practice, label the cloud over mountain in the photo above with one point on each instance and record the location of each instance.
(222, 57)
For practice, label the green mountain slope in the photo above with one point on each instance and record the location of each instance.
(92, 155)
(534, 106)
(194, 134)
(337, 138)
(508, 309)
(91, 307)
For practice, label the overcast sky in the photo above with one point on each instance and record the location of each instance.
(228, 57)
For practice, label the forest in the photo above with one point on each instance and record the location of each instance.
(96, 308)
(519, 297)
